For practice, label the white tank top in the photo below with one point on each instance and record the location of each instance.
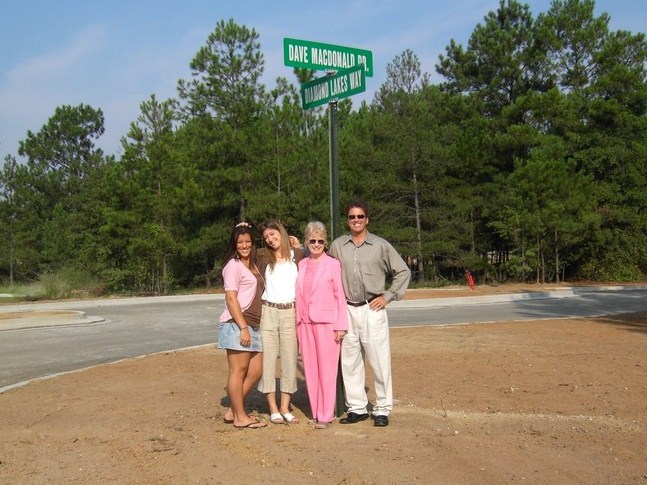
(280, 283)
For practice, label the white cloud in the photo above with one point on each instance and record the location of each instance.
(60, 63)
(98, 67)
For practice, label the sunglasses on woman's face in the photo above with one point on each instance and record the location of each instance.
(317, 241)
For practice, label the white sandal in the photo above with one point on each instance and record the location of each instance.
(290, 418)
(276, 418)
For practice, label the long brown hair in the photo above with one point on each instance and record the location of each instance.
(230, 250)
(284, 248)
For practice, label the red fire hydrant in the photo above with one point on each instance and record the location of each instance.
(470, 280)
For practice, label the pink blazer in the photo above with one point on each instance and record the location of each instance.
(327, 302)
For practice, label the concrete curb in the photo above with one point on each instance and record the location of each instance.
(106, 302)
(44, 314)
(562, 292)
(39, 319)
(484, 299)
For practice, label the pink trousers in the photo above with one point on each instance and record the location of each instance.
(320, 356)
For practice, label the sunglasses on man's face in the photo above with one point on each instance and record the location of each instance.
(317, 241)
(354, 216)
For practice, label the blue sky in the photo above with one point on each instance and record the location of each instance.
(113, 54)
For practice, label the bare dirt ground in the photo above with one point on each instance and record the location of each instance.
(550, 401)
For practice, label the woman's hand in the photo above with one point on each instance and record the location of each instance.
(294, 242)
(245, 338)
(339, 335)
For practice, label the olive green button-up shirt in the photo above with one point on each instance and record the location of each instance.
(365, 268)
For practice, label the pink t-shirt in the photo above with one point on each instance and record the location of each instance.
(237, 277)
(308, 279)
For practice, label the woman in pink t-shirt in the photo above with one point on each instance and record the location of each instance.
(238, 330)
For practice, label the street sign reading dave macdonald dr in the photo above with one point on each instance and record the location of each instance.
(319, 56)
(343, 84)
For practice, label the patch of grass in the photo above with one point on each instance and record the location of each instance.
(55, 285)
(69, 283)
(20, 292)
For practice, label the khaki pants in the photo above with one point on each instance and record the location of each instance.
(367, 337)
(278, 332)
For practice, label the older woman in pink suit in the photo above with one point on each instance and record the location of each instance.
(322, 323)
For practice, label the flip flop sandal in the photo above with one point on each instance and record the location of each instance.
(252, 425)
(231, 421)
(290, 418)
(276, 418)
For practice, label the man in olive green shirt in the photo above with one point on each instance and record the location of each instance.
(366, 260)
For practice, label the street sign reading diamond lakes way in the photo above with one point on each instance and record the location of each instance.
(318, 56)
(343, 84)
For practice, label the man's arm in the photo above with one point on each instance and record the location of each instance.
(401, 276)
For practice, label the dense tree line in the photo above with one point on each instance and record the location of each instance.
(527, 162)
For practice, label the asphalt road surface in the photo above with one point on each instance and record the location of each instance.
(142, 326)
(583, 303)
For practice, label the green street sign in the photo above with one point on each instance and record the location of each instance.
(343, 84)
(318, 56)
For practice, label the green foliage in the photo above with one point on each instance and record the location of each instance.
(623, 259)
(549, 207)
(528, 162)
(500, 62)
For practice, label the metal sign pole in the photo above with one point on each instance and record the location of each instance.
(346, 75)
(334, 172)
(340, 400)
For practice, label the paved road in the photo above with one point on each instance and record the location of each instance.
(142, 326)
(581, 303)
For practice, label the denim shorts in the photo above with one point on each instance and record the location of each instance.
(229, 338)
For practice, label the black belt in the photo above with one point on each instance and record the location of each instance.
(360, 303)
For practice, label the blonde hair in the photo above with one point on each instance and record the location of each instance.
(315, 227)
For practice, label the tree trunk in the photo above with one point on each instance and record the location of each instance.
(538, 280)
(421, 266)
(243, 209)
(11, 259)
(543, 262)
(165, 284)
(278, 164)
(556, 259)
(523, 257)
(472, 239)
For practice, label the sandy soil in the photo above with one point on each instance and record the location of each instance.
(551, 401)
